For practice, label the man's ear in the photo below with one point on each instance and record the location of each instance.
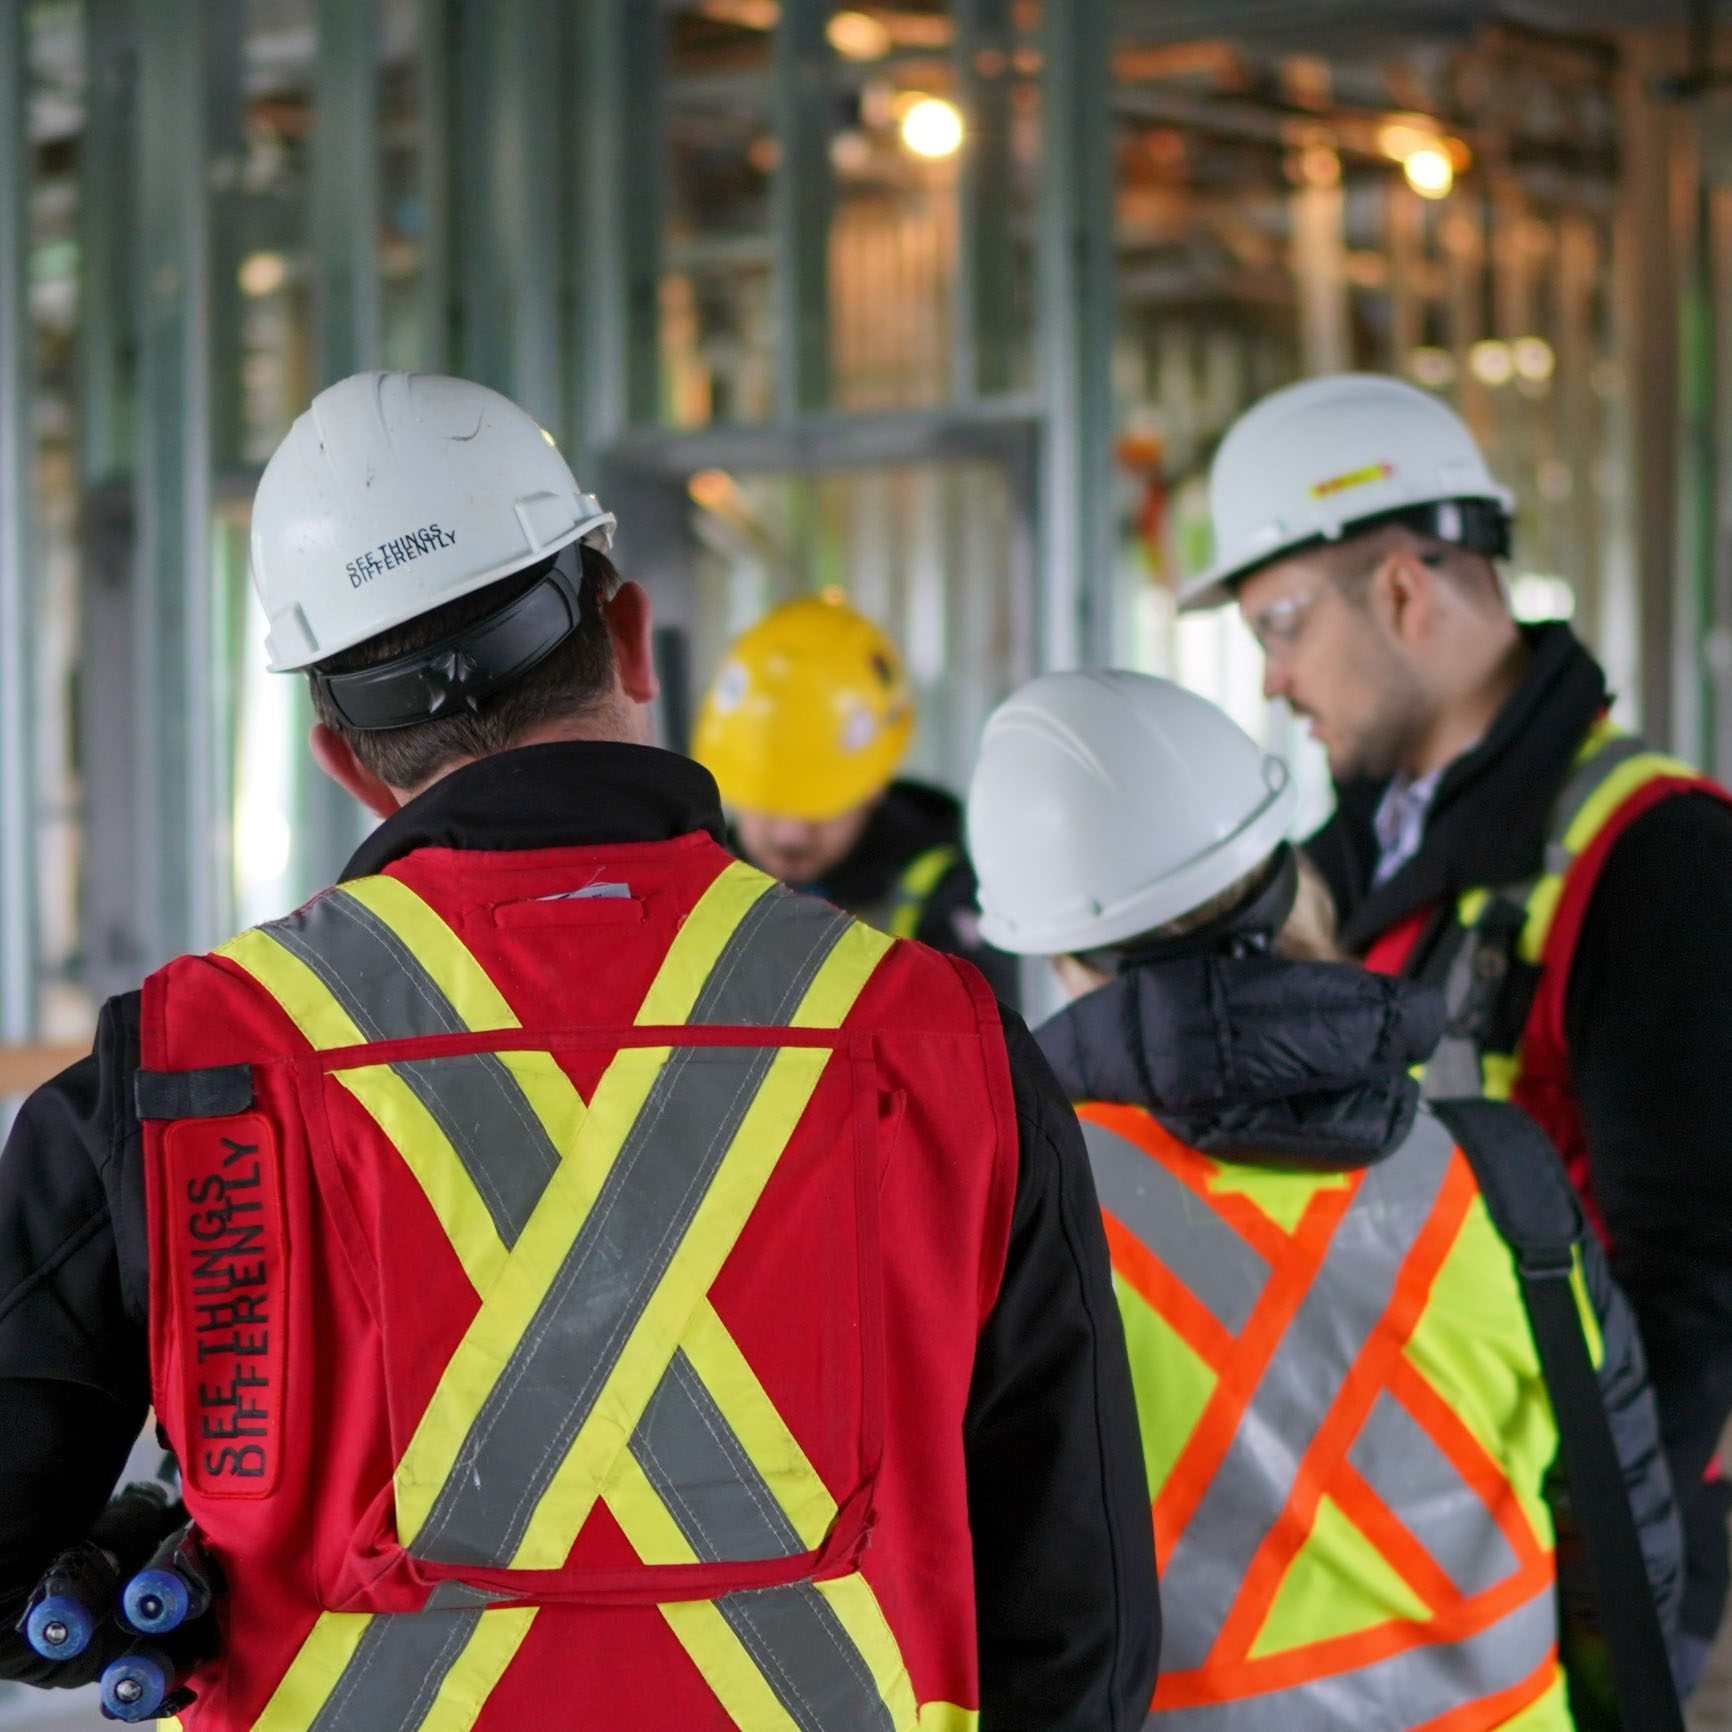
(1404, 596)
(629, 624)
(336, 757)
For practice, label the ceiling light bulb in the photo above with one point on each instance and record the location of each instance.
(1491, 362)
(262, 273)
(858, 36)
(932, 128)
(1429, 171)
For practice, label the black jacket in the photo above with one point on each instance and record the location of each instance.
(1305, 1065)
(1069, 1622)
(910, 820)
(1648, 1026)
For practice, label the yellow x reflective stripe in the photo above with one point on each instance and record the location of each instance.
(471, 993)
(697, 947)
(619, 1099)
(305, 998)
(405, 1118)
(1602, 803)
(826, 1003)
(296, 1702)
(802, 1494)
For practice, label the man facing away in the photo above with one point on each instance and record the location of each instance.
(581, 1282)
(1569, 890)
(1350, 1447)
(804, 728)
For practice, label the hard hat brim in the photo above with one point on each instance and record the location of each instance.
(1219, 585)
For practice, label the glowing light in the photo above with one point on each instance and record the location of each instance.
(1399, 139)
(1429, 171)
(262, 274)
(932, 128)
(1491, 362)
(858, 36)
(1533, 358)
(1432, 367)
(1534, 596)
(711, 488)
(262, 844)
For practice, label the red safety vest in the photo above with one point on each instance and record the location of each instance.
(1503, 960)
(562, 1264)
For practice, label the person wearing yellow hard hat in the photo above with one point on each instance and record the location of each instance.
(804, 728)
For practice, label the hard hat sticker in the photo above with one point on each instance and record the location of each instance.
(1355, 478)
(860, 729)
(388, 555)
(729, 691)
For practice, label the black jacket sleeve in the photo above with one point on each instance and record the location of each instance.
(1064, 1560)
(74, 1360)
(1649, 1031)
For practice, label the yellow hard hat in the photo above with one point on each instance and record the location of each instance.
(809, 715)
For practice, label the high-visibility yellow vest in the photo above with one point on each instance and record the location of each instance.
(1346, 1430)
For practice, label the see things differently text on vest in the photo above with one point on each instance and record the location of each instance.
(1346, 1433)
(561, 1264)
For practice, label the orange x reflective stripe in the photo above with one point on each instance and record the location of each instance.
(374, 961)
(1304, 1330)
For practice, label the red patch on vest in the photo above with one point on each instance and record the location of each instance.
(227, 1263)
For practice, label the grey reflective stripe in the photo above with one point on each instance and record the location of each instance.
(472, 1097)
(369, 970)
(1400, 1462)
(394, 1676)
(693, 1109)
(1454, 1067)
(663, 1171)
(728, 1512)
(496, 1133)
(1586, 780)
(806, 1657)
(1337, 1317)
(1408, 1689)
(1215, 1264)
(545, 1392)
(702, 1472)
(769, 962)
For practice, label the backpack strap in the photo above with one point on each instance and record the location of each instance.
(1534, 1208)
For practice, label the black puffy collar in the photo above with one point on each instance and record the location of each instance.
(1257, 1059)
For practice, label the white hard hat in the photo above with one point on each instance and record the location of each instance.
(1104, 805)
(395, 493)
(1311, 461)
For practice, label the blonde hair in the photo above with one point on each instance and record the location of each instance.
(1307, 935)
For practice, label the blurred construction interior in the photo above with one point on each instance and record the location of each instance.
(944, 303)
